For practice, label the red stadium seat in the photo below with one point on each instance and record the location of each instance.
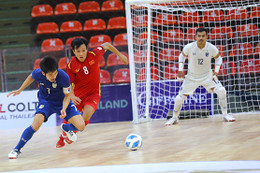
(245, 49)
(213, 15)
(89, 7)
(171, 71)
(221, 32)
(65, 8)
(238, 13)
(233, 68)
(142, 74)
(63, 63)
(251, 65)
(165, 19)
(105, 77)
(53, 44)
(141, 57)
(180, 3)
(95, 25)
(222, 50)
(97, 40)
(42, 10)
(71, 26)
(172, 35)
(69, 40)
(121, 76)
(205, 1)
(191, 34)
(112, 5)
(223, 69)
(170, 54)
(255, 13)
(116, 23)
(47, 28)
(37, 63)
(140, 21)
(247, 30)
(101, 61)
(120, 40)
(189, 17)
(257, 49)
(142, 38)
(114, 60)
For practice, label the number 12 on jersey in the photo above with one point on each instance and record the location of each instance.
(200, 61)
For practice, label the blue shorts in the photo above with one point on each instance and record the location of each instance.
(48, 108)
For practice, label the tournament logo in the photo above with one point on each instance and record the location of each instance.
(206, 54)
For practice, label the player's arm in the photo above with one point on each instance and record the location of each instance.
(108, 46)
(25, 84)
(182, 58)
(218, 62)
(66, 102)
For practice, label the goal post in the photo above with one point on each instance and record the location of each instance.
(157, 32)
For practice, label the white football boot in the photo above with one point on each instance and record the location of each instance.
(70, 134)
(14, 154)
(228, 118)
(172, 121)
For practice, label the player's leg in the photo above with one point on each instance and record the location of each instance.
(75, 120)
(27, 135)
(186, 89)
(216, 86)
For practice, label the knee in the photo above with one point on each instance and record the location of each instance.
(36, 125)
(221, 92)
(81, 126)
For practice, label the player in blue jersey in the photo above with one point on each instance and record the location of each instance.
(53, 95)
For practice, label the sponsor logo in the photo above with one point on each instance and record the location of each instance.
(41, 106)
(1, 106)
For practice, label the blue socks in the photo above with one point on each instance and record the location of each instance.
(26, 136)
(69, 127)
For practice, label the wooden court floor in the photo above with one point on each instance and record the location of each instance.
(207, 139)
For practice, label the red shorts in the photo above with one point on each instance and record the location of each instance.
(92, 100)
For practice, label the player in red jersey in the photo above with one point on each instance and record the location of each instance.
(84, 74)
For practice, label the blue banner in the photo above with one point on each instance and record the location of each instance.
(162, 98)
(115, 105)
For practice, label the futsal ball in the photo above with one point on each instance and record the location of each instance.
(133, 141)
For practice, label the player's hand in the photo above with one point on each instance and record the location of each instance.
(63, 114)
(180, 76)
(215, 74)
(14, 93)
(76, 100)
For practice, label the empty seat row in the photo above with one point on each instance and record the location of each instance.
(70, 8)
(194, 17)
(177, 35)
(76, 26)
(56, 44)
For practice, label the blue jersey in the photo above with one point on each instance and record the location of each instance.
(51, 91)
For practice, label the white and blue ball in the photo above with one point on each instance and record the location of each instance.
(133, 141)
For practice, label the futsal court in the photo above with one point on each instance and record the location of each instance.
(194, 145)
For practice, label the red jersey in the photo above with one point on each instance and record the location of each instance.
(85, 76)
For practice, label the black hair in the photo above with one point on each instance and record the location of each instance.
(77, 42)
(48, 64)
(201, 30)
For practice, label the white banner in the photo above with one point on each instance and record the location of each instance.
(18, 111)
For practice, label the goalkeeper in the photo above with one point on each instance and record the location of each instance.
(199, 54)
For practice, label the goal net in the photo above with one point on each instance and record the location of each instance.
(157, 32)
